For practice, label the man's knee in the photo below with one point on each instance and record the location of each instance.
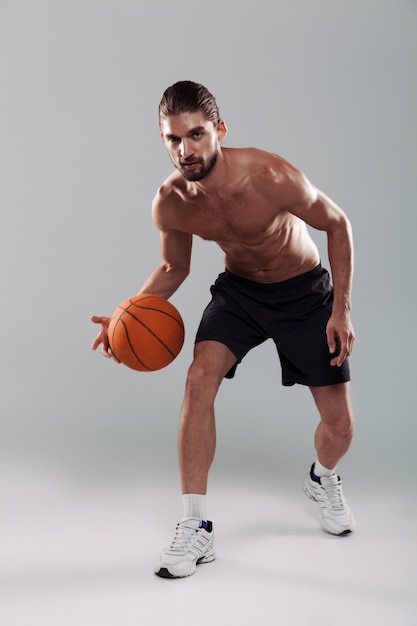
(212, 360)
(210, 364)
(343, 428)
(341, 423)
(202, 375)
(335, 409)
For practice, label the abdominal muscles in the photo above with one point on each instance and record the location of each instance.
(276, 254)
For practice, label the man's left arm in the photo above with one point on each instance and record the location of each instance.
(340, 252)
(319, 211)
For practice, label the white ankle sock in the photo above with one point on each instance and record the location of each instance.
(320, 470)
(194, 505)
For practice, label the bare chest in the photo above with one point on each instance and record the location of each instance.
(231, 218)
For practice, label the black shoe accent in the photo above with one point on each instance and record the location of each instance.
(344, 533)
(164, 573)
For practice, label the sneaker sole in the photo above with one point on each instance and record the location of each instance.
(164, 572)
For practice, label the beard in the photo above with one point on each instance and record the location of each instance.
(198, 174)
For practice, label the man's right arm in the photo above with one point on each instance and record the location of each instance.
(175, 246)
(175, 266)
(166, 277)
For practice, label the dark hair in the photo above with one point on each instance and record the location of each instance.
(188, 97)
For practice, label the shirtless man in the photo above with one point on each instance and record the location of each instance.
(255, 206)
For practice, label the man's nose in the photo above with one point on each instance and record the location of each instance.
(186, 149)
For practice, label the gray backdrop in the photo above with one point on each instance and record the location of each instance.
(328, 84)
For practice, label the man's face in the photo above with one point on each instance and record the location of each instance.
(192, 142)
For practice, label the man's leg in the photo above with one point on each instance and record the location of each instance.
(193, 541)
(335, 431)
(197, 430)
(332, 440)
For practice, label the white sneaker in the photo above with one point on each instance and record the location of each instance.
(336, 516)
(192, 545)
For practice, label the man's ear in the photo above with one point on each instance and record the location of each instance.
(221, 130)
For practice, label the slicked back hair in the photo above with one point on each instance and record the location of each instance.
(186, 96)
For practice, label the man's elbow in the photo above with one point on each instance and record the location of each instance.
(177, 272)
(340, 225)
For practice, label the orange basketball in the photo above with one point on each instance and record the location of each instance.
(146, 333)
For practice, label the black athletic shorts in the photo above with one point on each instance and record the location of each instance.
(293, 313)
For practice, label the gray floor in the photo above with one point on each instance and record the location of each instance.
(76, 557)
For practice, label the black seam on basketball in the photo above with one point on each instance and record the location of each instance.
(132, 348)
(151, 308)
(111, 342)
(148, 308)
(138, 305)
(167, 348)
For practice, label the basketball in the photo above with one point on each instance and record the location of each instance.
(146, 333)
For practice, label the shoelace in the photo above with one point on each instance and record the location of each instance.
(334, 495)
(183, 536)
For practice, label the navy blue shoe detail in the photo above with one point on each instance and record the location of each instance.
(314, 476)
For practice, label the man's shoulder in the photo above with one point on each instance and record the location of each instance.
(263, 168)
(168, 198)
(170, 190)
(260, 160)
